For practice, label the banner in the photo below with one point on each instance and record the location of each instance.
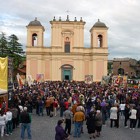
(40, 77)
(10, 78)
(119, 80)
(21, 81)
(29, 79)
(3, 75)
(125, 81)
(105, 80)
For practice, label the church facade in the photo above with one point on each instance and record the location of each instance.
(67, 58)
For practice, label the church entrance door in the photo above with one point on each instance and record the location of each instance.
(67, 71)
(67, 74)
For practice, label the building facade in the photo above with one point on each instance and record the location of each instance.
(66, 58)
(126, 66)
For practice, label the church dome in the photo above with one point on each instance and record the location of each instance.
(35, 23)
(99, 24)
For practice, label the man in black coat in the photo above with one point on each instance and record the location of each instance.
(91, 124)
(126, 115)
(25, 120)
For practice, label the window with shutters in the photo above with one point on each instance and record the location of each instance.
(67, 47)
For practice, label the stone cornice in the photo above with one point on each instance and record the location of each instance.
(35, 27)
(59, 47)
(67, 54)
(68, 22)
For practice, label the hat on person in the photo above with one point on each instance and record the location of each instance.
(98, 111)
(21, 108)
(25, 108)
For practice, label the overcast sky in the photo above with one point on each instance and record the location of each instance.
(121, 16)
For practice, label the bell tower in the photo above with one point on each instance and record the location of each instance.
(35, 34)
(99, 35)
(99, 50)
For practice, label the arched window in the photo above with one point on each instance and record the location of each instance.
(67, 45)
(34, 39)
(100, 41)
(120, 71)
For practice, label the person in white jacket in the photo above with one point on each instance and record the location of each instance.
(113, 115)
(9, 125)
(2, 122)
(133, 117)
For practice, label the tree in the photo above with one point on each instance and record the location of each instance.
(14, 45)
(16, 50)
(3, 46)
(109, 67)
(12, 48)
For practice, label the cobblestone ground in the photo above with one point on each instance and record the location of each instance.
(43, 128)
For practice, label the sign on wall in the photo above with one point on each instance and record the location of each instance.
(88, 79)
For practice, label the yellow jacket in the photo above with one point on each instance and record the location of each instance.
(79, 116)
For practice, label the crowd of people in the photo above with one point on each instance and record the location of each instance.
(76, 102)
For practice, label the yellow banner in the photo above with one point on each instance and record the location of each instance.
(3, 73)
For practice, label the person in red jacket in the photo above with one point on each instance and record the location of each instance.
(55, 106)
(66, 104)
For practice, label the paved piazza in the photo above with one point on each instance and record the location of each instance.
(43, 128)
